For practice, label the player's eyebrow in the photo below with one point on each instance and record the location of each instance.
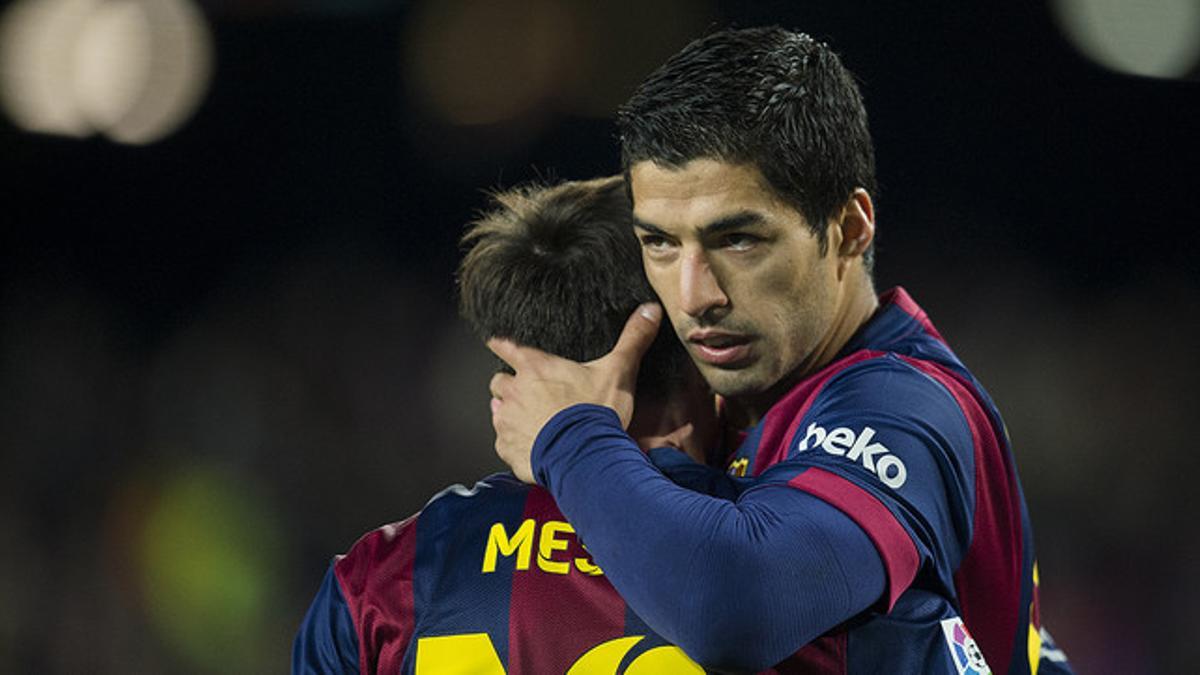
(735, 221)
(652, 229)
(731, 222)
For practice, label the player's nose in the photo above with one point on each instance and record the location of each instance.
(700, 291)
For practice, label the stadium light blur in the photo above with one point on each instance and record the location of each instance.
(111, 62)
(210, 554)
(134, 70)
(487, 77)
(1148, 38)
(621, 41)
(483, 62)
(36, 65)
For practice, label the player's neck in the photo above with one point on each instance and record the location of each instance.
(855, 308)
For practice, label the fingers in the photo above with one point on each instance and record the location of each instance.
(499, 384)
(507, 350)
(638, 334)
(520, 358)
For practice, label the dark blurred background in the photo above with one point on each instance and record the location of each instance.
(228, 233)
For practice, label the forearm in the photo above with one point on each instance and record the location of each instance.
(687, 473)
(736, 584)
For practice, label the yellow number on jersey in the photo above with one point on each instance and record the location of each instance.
(664, 660)
(474, 653)
(1035, 635)
(458, 655)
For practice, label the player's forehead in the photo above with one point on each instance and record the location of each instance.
(698, 193)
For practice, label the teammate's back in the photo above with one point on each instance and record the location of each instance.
(484, 580)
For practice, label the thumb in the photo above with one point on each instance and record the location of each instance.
(636, 337)
(514, 355)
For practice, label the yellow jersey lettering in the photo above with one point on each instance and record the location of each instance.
(474, 653)
(604, 658)
(551, 536)
(549, 543)
(458, 655)
(499, 543)
(1034, 642)
(667, 659)
(588, 567)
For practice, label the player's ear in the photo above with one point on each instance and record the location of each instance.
(856, 226)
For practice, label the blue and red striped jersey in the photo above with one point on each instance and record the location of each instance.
(881, 504)
(901, 437)
(894, 443)
(487, 580)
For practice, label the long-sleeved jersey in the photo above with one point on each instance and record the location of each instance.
(893, 443)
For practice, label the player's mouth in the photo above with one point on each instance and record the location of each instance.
(719, 348)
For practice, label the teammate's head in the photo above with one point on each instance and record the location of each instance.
(778, 100)
(558, 268)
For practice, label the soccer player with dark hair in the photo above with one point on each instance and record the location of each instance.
(492, 579)
(884, 529)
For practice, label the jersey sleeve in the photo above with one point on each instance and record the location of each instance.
(737, 584)
(892, 447)
(326, 642)
(688, 473)
(376, 580)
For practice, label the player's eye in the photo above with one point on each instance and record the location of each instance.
(740, 241)
(655, 243)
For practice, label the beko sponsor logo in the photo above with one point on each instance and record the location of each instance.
(858, 447)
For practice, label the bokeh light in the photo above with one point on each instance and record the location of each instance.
(135, 70)
(483, 62)
(112, 62)
(210, 557)
(180, 67)
(487, 79)
(622, 42)
(1150, 38)
(36, 64)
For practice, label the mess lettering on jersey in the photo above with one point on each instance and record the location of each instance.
(487, 580)
(553, 539)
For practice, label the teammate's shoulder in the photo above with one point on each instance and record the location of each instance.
(384, 545)
(498, 486)
(451, 499)
(379, 543)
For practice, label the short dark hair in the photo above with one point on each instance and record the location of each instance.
(774, 98)
(559, 268)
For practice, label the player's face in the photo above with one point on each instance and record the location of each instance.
(739, 272)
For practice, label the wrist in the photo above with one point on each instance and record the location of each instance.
(553, 442)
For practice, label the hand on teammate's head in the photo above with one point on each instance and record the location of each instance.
(544, 384)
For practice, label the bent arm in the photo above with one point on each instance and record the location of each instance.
(687, 473)
(737, 584)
